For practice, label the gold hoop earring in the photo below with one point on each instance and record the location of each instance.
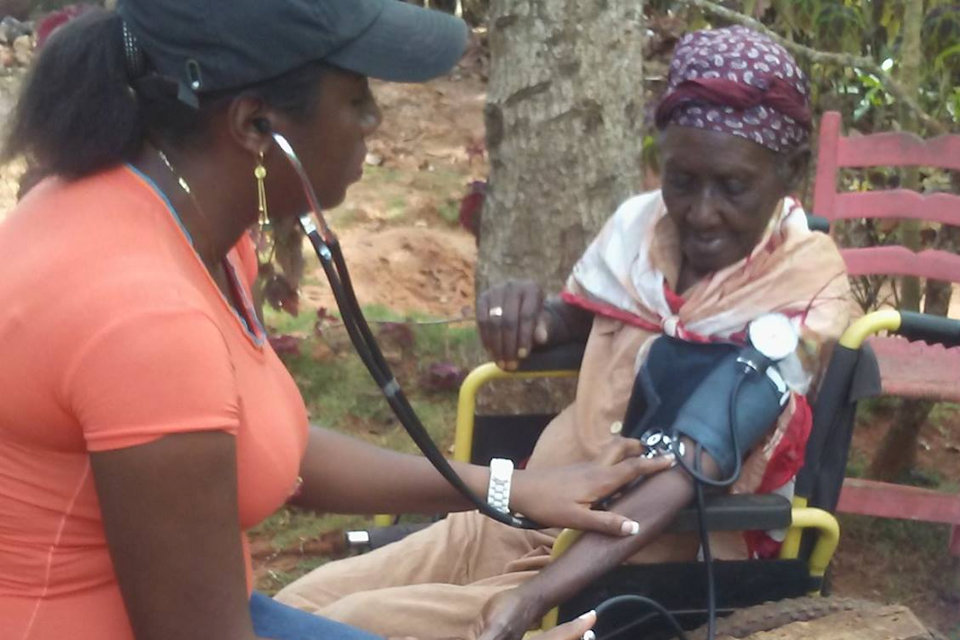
(260, 172)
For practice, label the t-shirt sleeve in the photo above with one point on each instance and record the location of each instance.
(152, 374)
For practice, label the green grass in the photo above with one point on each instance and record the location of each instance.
(341, 395)
(943, 414)
(857, 463)
(396, 206)
(398, 195)
(450, 211)
(870, 410)
(280, 323)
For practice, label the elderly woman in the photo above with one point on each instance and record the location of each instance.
(720, 244)
(145, 422)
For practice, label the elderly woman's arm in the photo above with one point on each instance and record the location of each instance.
(653, 504)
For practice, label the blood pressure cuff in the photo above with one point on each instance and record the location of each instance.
(686, 388)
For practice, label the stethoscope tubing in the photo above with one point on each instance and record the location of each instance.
(327, 247)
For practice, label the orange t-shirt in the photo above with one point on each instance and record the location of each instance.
(113, 334)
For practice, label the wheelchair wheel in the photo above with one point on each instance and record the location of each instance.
(773, 615)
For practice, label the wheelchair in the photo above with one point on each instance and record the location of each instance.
(812, 531)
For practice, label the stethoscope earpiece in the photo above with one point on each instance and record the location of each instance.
(263, 126)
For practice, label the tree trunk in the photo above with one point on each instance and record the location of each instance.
(897, 452)
(911, 57)
(564, 120)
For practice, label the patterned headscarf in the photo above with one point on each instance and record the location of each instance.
(737, 81)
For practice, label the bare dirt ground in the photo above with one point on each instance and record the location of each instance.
(398, 226)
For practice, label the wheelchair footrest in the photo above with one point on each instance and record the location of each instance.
(681, 588)
(370, 539)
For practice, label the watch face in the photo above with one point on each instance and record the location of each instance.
(773, 336)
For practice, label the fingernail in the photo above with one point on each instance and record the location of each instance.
(540, 333)
(523, 353)
(588, 635)
(672, 457)
(586, 615)
(630, 528)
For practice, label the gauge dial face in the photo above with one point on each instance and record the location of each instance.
(773, 335)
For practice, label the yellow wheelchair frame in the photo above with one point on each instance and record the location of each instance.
(802, 516)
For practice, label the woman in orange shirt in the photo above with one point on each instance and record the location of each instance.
(145, 421)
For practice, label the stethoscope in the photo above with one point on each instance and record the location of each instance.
(327, 247)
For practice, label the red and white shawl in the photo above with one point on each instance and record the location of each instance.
(628, 274)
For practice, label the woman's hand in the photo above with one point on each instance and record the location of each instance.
(509, 615)
(515, 317)
(576, 629)
(563, 496)
(511, 320)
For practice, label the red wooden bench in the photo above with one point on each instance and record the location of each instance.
(885, 500)
(910, 369)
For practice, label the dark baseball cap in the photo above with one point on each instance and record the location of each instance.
(212, 45)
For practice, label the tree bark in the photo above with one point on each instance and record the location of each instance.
(897, 453)
(910, 79)
(564, 119)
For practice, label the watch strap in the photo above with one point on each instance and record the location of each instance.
(498, 491)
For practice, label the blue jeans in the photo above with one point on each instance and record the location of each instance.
(275, 620)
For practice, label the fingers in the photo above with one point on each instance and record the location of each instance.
(629, 469)
(483, 324)
(492, 317)
(574, 630)
(510, 325)
(607, 522)
(617, 449)
(530, 310)
(540, 333)
(507, 318)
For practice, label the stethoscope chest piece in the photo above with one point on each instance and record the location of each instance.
(773, 335)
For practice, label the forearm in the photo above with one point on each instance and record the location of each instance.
(652, 504)
(345, 475)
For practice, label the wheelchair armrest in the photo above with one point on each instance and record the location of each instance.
(561, 357)
(929, 328)
(737, 512)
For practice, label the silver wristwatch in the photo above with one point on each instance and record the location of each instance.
(498, 492)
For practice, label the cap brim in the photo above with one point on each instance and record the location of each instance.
(406, 43)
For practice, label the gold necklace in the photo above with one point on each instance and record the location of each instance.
(186, 189)
(240, 309)
(180, 179)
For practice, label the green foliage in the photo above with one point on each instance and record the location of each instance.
(873, 29)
